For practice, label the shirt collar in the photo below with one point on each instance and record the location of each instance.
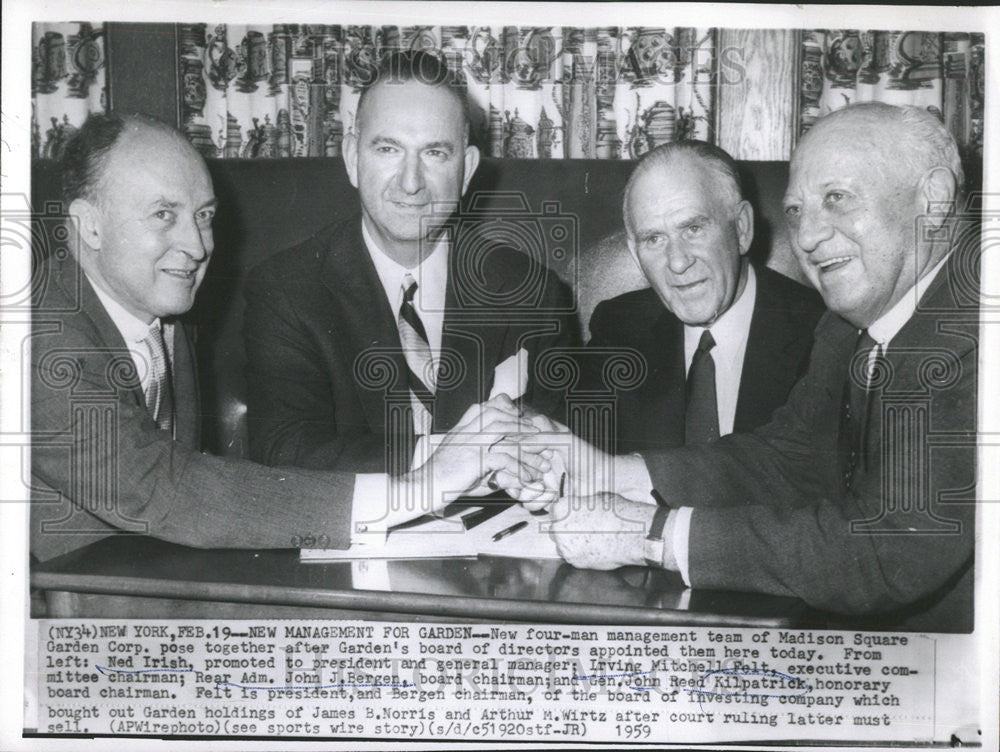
(131, 327)
(431, 274)
(887, 326)
(732, 328)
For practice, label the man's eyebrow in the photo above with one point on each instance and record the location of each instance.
(695, 220)
(162, 202)
(389, 140)
(378, 139)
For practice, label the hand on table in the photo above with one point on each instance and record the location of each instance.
(604, 531)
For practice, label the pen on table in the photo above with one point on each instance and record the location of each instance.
(510, 530)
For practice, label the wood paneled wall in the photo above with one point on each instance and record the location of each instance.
(757, 114)
(142, 69)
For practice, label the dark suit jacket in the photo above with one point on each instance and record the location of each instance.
(770, 513)
(324, 357)
(651, 415)
(99, 464)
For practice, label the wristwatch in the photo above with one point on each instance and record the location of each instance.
(652, 549)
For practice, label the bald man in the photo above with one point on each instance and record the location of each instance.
(858, 496)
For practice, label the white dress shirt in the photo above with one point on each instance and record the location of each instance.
(134, 331)
(882, 331)
(730, 332)
(431, 274)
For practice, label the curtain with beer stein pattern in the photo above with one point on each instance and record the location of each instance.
(536, 92)
(942, 72)
(67, 82)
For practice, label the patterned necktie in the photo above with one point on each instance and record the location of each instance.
(417, 350)
(159, 394)
(701, 412)
(857, 405)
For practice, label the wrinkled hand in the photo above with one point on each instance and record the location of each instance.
(605, 531)
(484, 443)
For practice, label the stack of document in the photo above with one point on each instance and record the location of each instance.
(512, 532)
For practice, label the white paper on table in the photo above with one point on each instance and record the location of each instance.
(511, 376)
(446, 537)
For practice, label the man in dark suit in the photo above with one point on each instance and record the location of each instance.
(370, 339)
(114, 404)
(689, 228)
(858, 496)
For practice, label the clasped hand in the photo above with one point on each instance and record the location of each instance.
(599, 511)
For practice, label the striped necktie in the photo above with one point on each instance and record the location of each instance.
(159, 394)
(417, 350)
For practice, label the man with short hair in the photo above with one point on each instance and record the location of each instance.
(723, 343)
(858, 496)
(115, 414)
(445, 321)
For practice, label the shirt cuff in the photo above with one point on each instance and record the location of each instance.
(425, 447)
(681, 536)
(369, 508)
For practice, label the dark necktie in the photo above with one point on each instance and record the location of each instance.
(856, 413)
(701, 412)
(417, 350)
(159, 394)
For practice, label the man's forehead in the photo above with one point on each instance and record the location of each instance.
(150, 162)
(670, 188)
(409, 105)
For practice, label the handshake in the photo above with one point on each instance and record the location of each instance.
(599, 504)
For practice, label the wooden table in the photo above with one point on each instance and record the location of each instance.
(139, 577)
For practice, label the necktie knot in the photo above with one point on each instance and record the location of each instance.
(863, 362)
(409, 288)
(706, 343)
(159, 395)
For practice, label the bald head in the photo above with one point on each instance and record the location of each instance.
(699, 156)
(906, 141)
(689, 229)
(143, 205)
(87, 153)
(866, 186)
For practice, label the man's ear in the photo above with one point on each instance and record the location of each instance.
(744, 226)
(350, 151)
(630, 244)
(937, 191)
(87, 219)
(471, 163)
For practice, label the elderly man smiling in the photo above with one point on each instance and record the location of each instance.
(843, 499)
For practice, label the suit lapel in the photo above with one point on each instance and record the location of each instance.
(763, 367)
(107, 333)
(477, 340)
(358, 302)
(667, 377)
(187, 399)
